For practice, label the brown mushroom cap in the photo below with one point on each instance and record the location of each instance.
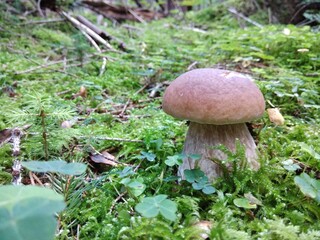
(213, 96)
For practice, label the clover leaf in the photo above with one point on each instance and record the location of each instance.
(153, 206)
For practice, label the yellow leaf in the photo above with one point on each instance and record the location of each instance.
(275, 116)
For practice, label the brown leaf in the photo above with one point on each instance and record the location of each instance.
(5, 135)
(82, 93)
(100, 158)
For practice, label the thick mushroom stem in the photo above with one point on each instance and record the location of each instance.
(200, 139)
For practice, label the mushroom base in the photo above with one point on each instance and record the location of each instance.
(202, 137)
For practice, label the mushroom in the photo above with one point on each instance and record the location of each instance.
(217, 103)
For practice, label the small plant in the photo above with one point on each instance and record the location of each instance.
(153, 206)
(135, 186)
(199, 181)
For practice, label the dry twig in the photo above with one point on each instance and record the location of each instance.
(83, 27)
(240, 15)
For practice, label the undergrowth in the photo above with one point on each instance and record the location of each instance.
(284, 61)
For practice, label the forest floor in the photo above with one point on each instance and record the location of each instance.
(68, 107)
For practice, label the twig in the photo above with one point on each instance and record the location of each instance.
(44, 21)
(192, 65)
(78, 232)
(155, 90)
(95, 45)
(16, 168)
(37, 179)
(116, 200)
(83, 27)
(100, 32)
(39, 8)
(124, 108)
(46, 65)
(140, 19)
(113, 139)
(31, 178)
(235, 12)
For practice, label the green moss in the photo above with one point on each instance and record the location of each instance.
(5, 178)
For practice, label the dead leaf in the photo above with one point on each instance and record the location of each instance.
(275, 116)
(5, 135)
(82, 93)
(205, 226)
(252, 199)
(102, 158)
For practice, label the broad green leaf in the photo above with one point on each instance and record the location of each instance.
(126, 172)
(290, 165)
(197, 186)
(152, 206)
(27, 212)
(308, 186)
(173, 160)
(208, 189)
(199, 180)
(244, 203)
(135, 186)
(168, 209)
(194, 175)
(310, 150)
(56, 166)
(147, 155)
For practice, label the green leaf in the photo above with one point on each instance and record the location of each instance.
(27, 212)
(308, 186)
(147, 155)
(174, 160)
(194, 175)
(308, 149)
(135, 186)
(208, 189)
(151, 206)
(244, 203)
(127, 171)
(290, 165)
(57, 166)
(199, 181)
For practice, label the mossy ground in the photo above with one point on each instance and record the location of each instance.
(285, 62)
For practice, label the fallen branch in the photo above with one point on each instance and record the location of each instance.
(44, 21)
(101, 33)
(83, 27)
(95, 45)
(240, 15)
(113, 139)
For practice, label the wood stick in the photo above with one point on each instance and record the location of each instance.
(235, 12)
(100, 32)
(114, 139)
(95, 45)
(83, 27)
(44, 21)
